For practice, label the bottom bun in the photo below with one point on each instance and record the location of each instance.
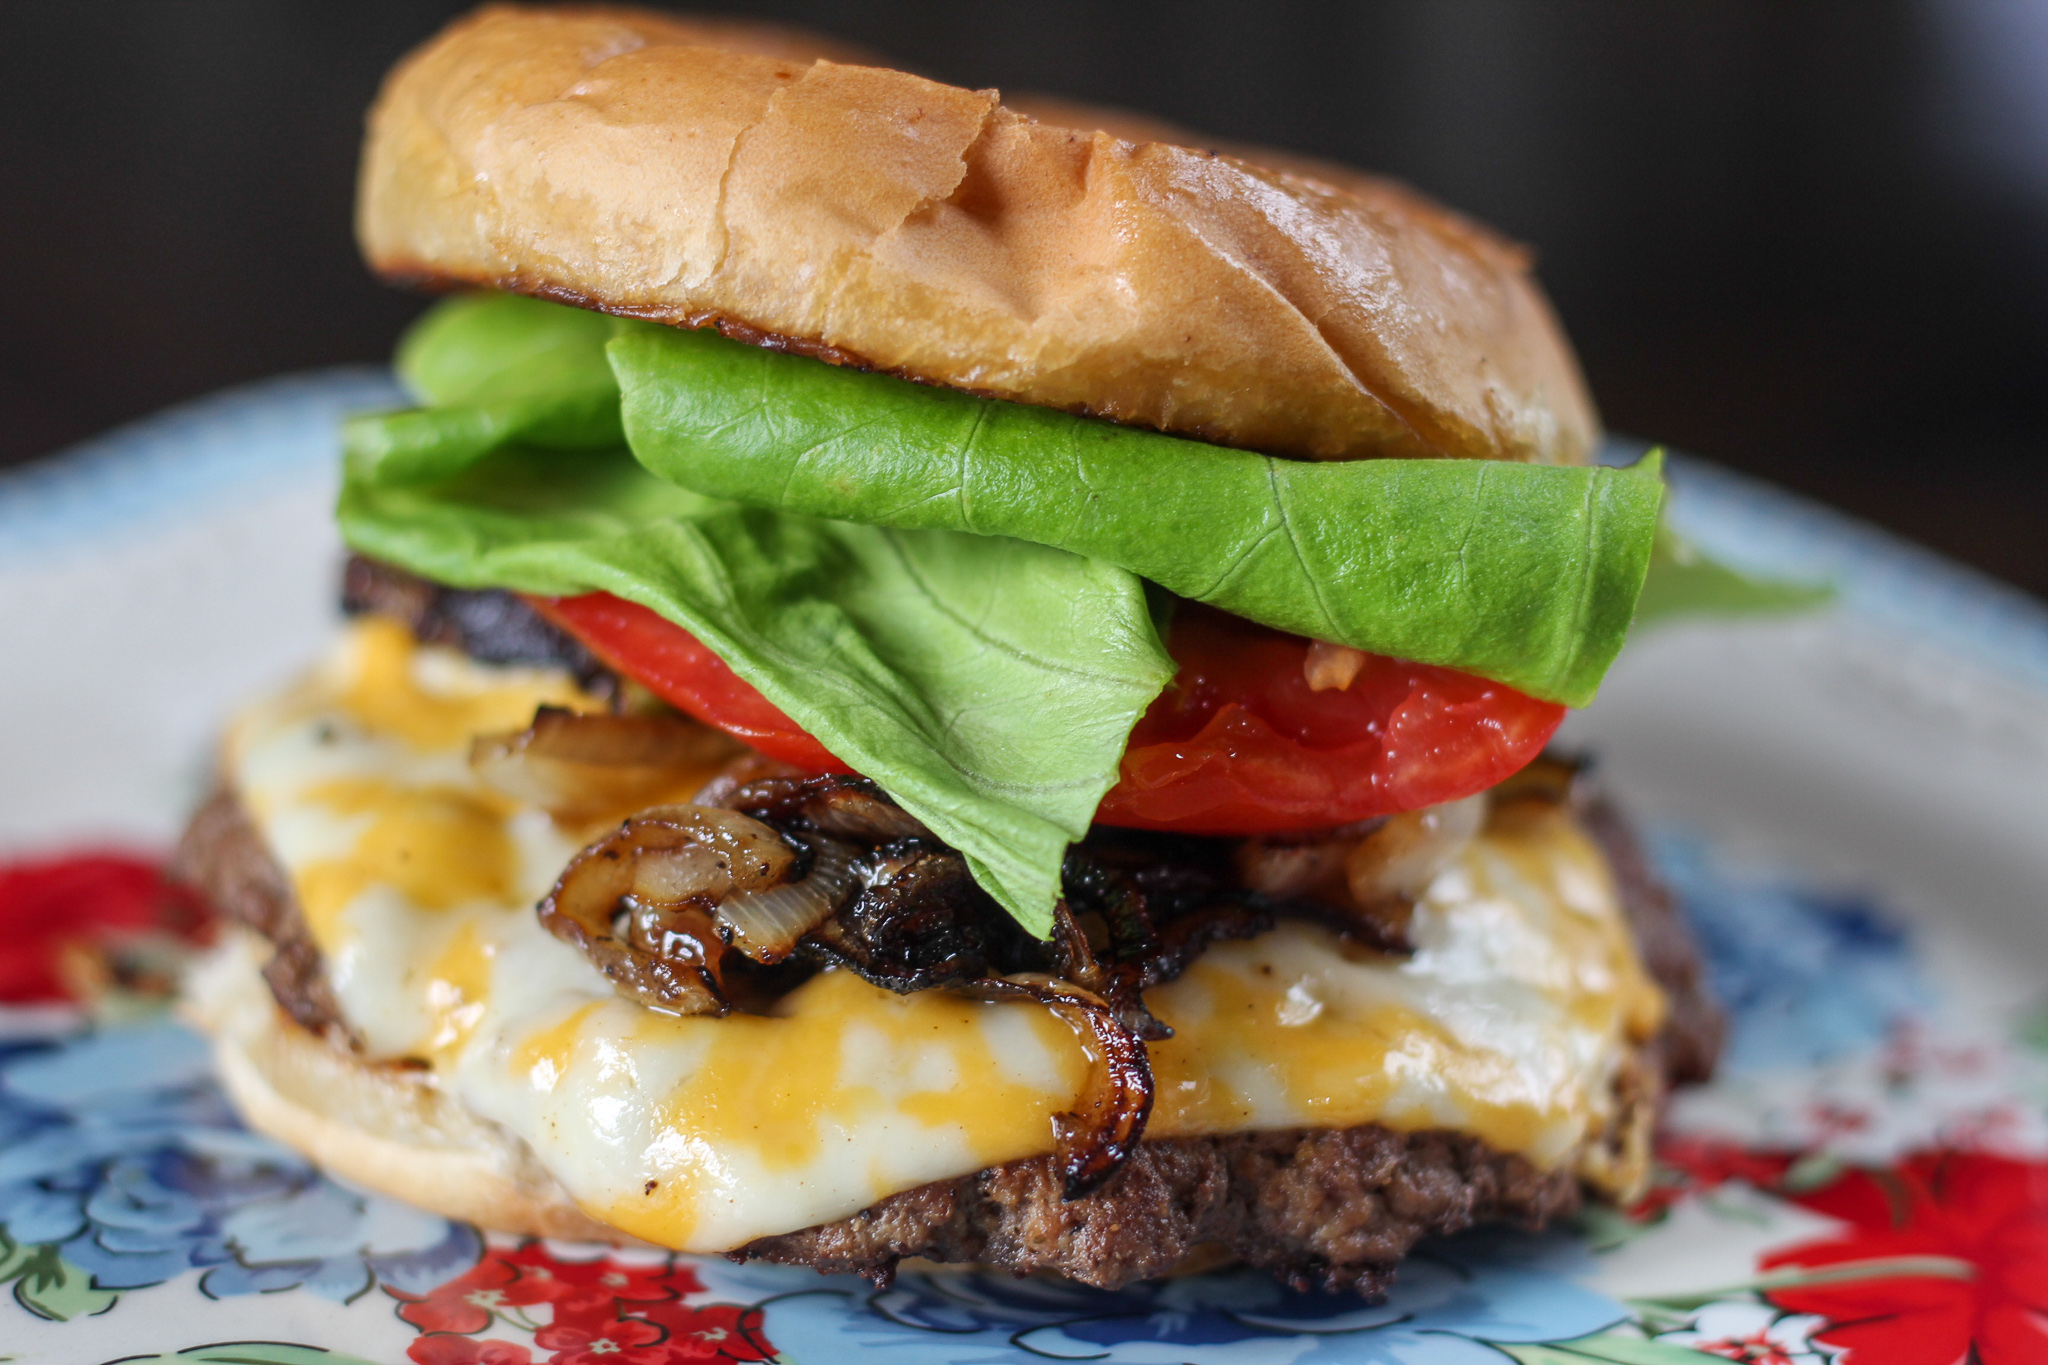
(389, 1128)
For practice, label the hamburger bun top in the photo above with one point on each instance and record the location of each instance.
(756, 179)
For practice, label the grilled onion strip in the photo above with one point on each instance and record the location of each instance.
(1093, 1141)
(766, 925)
(657, 903)
(581, 767)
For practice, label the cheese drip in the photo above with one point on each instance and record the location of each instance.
(1508, 1022)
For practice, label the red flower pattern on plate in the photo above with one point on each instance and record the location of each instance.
(1751, 1333)
(472, 1300)
(86, 901)
(714, 1333)
(619, 1340)
(1756, 1348)
(1688, 1166)
(582, 1287)
(603, 1312)
(1981, 1293)
(528, 1276)
(440, 1349)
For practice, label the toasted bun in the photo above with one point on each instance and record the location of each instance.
(387, 1128)
(752, 179)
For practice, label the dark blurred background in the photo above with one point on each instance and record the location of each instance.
(1809, 240)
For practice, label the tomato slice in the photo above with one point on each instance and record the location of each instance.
(1241, 744)
(674, 665)
(1238, 744)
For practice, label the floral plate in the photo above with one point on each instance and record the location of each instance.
(1850, 801)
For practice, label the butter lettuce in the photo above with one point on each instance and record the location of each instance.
(987, 684)
(1520, 573)
(490, 370)
(1684, 582)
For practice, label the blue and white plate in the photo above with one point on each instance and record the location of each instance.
(1853, 800)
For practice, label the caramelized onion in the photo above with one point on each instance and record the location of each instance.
(639, 902)
(919, 921)
(1092, 1142)
(837, 804)
(657, 903)
(663, 966)
(765, 925)
(1286, 868)
(678, 874)
(581, 767)
(1375, 869)
(1401, 858)
(863, 813)
(1120, 972)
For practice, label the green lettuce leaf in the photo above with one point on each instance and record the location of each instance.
(492, 369)
(1684, 581)
(988, 684)
(1525, 574)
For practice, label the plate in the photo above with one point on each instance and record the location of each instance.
(1851, 800)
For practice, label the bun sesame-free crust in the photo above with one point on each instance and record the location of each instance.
(756, 179)
(389, 1128)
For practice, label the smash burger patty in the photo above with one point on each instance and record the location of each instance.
(929, 680)
(1334, 1208)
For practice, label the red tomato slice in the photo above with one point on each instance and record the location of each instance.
(671, 663)
(1239, 744)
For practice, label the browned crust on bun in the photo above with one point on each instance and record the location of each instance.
(718, 174)
(388, 1127)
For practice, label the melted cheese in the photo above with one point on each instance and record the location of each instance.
(1507, 1022)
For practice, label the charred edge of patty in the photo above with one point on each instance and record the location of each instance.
(222, 855)
(488, 624)
(1328, 1209)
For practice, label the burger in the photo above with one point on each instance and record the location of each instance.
(947, 678)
